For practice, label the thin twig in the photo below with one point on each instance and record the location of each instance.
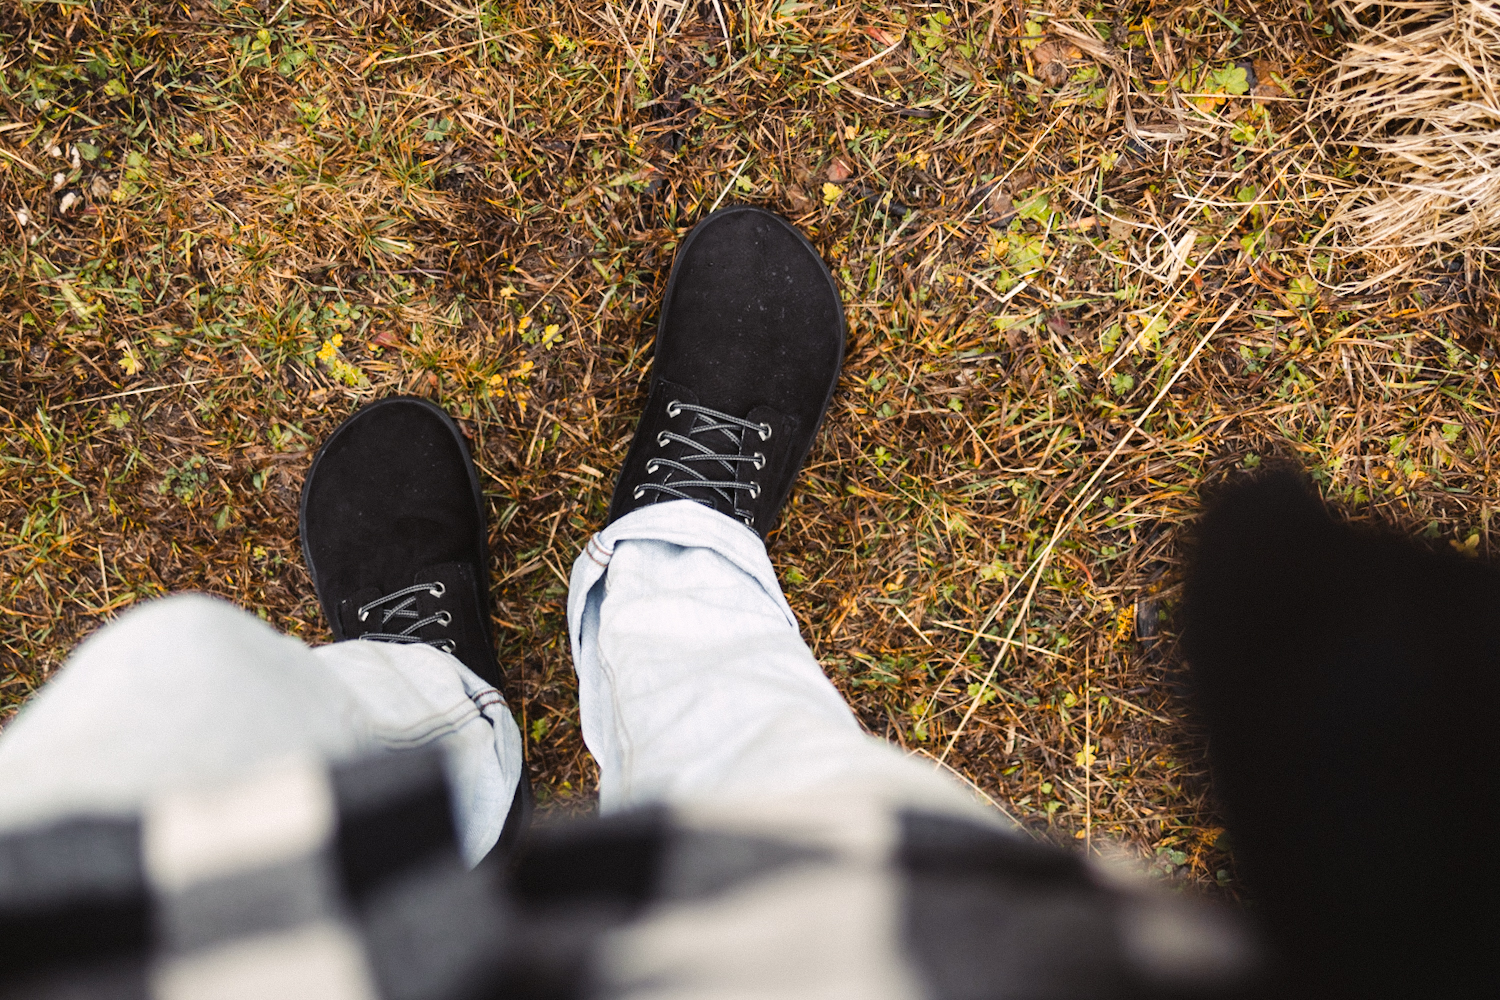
(150, 388)
(1080, 502)
(744, 163)
(868, 62)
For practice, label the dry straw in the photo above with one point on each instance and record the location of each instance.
(1418, 93)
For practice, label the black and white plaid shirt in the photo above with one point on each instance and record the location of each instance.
(345, 884)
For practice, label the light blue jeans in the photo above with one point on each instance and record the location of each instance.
(695, 688)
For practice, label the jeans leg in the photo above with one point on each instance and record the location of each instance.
(191, 691)
(694, 683)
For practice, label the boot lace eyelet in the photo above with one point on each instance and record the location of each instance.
(401, 605)
(710, 469)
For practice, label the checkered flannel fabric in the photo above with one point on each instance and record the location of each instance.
(344, 883)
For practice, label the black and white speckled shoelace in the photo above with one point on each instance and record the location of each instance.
(406, 608)
(720, 429)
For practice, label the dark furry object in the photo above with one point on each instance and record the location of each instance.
(1351, 684)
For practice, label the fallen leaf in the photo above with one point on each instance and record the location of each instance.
(1469, 547)
(99, 188)
(81, 309)
(1147, 620)
(838, 171)
(129, 363)
(1051, 59)
(998, 199)
(1266, 86)
(1302, 292)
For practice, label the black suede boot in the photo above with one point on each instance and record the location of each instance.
(393, 532)
(748, 351)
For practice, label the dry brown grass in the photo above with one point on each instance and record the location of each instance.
(1079, 257)
(1418, 90)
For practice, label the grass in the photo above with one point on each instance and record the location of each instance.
(1085, 260)
(1420, 89)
